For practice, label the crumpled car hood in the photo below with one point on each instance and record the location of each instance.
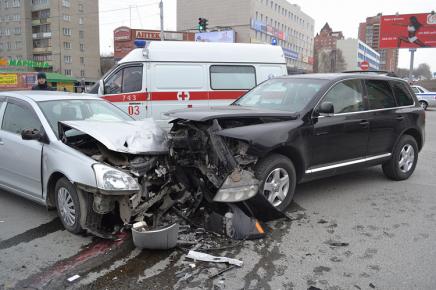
(134, 137)
(208, 113)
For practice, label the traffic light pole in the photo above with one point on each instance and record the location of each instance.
(162, 38)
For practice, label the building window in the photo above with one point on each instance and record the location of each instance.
(82, 47)
(81, 34)
(80, 7)
(39, 2)
(67, 72)
(67, 45)
(67, 17)
(67, 31)
(17, 30)
(80, 20)
(82, 60)
(82, 73)
(16, 3)
(66, 3)
(67, 59)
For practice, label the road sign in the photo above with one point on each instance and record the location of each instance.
(274, 41)
(364, 65)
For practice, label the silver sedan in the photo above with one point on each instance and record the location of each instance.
(79, 154)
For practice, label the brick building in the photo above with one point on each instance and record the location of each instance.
(124, 38)
(369, 32)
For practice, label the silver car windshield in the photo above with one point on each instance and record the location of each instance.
(73, 110)
(290, 95)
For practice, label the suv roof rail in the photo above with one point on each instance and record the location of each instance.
(381, 72)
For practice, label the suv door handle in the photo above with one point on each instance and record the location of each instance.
(364, 123)
(400, 118)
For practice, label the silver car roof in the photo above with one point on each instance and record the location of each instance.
(41, 96)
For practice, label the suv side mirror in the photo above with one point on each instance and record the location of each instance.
(326, 108)
(33, 134)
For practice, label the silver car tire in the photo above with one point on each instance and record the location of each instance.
(68, 205)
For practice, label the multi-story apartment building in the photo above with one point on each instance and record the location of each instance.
(256, 21)
(369, 32)
(63, 33)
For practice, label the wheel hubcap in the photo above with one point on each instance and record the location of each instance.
(276, 186)
(66, 206)
(407, 158)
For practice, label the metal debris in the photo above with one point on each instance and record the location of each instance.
(209, 258)
(156, 239)
(73, 278)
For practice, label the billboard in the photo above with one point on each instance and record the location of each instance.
(216, 36)
(122, 34)
(408, 30)
(17, 80)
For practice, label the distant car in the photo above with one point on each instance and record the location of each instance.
(425, 97)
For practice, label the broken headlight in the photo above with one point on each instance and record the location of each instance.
(238, 186)
(111, 179)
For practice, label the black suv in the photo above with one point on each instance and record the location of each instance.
(296, 128)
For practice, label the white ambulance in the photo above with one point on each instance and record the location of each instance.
(167, 75)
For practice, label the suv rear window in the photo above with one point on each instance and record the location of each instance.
(402, 94)
(379, 94)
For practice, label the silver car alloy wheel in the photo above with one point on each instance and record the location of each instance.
(276, 186)
(66, 206)
(407, 158)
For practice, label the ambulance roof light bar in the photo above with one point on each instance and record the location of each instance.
(142, 43)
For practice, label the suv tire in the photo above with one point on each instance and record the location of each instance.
(404, 159)
(277, 180)
(68, 205)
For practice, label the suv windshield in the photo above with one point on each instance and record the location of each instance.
(290, 95)
(73, 110)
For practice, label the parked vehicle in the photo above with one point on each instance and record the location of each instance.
(298, 128)
(425, 97)
(169, 75)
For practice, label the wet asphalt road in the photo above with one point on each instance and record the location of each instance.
(388, 230)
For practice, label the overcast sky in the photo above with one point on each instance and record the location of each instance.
(342, 15)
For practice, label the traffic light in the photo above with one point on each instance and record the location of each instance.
(202, 24)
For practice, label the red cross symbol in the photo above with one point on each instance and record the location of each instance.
(183, 96)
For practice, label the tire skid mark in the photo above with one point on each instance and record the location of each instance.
(32, 234)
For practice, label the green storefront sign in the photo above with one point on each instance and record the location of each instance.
(24, 63)
(28, 63)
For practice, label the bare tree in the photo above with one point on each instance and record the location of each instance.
(330, 60)
(106, 63)
(423, 71)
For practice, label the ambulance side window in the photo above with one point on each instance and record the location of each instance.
(232, 77)
(125, 80)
